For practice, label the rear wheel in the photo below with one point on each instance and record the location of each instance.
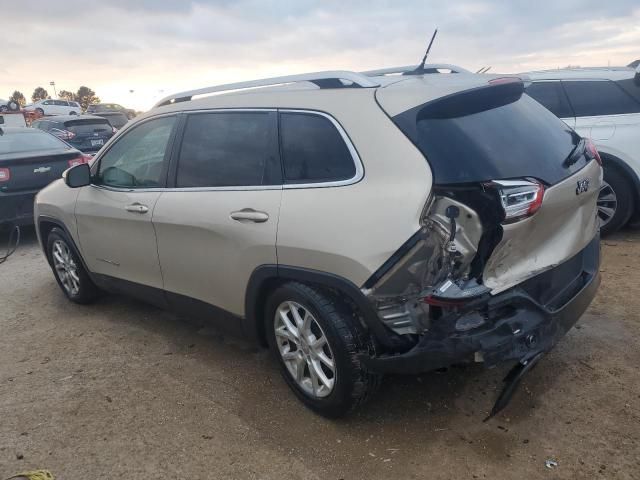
(13, 106)
(68, 269)
(72, 113)
(615, 201)
(40, 112)
(318, 341)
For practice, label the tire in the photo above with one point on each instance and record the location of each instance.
(65, 261)
(4, 108)
(13, 106)
(616, 195)
(346, 339)
(72, 113)
(40, 112)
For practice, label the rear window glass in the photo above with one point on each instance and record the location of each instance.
(552, 96)
(490, 134)
(229, 149)
(29, 141)
(313, 150)
(80, 127)
(599, 98)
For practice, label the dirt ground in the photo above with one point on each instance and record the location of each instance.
(122, 390)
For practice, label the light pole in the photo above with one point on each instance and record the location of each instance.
(53, 84)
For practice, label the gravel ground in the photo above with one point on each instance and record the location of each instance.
(123, 390)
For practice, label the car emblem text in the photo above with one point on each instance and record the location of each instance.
(41, 169)
(583, 186)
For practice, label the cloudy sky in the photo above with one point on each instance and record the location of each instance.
(156, 47)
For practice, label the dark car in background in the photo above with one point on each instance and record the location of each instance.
(116, 119)
(30, 159)
(87, 133)
(110, 107)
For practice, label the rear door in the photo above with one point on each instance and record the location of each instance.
(607, 114)
(114, 213)
(218, 221)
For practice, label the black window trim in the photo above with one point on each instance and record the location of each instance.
(168, 154)
(614, 82)
(564, 93)
(173, 167)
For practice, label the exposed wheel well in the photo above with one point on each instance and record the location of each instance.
(268, 277)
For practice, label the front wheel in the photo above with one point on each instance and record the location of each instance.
(68, 269)
(318, 340)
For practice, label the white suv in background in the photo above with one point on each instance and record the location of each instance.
(602, 104)
(54, 107)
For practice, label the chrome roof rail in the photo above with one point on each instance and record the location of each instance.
(411, 68)
(323, 79)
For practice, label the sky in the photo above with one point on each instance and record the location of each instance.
(160, 47)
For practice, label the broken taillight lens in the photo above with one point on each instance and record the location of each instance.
(520, 198)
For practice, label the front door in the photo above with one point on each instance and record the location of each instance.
(114, 214)
(218, 221)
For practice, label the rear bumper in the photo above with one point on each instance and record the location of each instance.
(519, 323)
(17, 207)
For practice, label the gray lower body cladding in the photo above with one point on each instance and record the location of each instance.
(517, 323)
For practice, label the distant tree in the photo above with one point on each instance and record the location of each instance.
(67, 95)
(86, 97)
(17, 96)
(39, 94)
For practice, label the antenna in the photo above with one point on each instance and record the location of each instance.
(420, 67)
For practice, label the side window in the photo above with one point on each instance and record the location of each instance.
(552, 96)
(229, 149)
(136, 160)
(48, 102)
(593, 98)
(313, 150)
(61, 103)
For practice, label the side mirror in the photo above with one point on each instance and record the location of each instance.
(78, 176)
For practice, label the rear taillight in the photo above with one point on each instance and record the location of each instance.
(592, 151)
(63, 134)
(5, 174)
(520, 198)
(79, 160)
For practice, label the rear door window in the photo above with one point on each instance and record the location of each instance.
(137, 159)
(313, 150)
(595, 98)
(552, 96)
(229, 149)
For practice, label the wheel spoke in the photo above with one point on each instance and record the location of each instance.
(286, 334)
(296, 315)
(300, 364)
(320, 376)
(288, 325)
(606, 212)
(326, 360)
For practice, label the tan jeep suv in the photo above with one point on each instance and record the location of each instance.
(358, 224)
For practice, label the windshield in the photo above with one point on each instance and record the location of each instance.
(29, 141)
(491, 133)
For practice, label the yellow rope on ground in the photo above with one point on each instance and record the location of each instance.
(35, 475)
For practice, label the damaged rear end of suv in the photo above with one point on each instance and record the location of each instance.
(507, 256)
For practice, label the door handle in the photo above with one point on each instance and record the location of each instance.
(250, 215)
(137, 208)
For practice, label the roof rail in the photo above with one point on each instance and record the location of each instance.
(428, 68)
(330, 79)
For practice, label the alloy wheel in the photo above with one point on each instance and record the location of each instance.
(66, 268)
(607, 204)
(304, 349)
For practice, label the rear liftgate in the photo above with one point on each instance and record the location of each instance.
(482, 237)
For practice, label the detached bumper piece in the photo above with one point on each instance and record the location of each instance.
(514, 325)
